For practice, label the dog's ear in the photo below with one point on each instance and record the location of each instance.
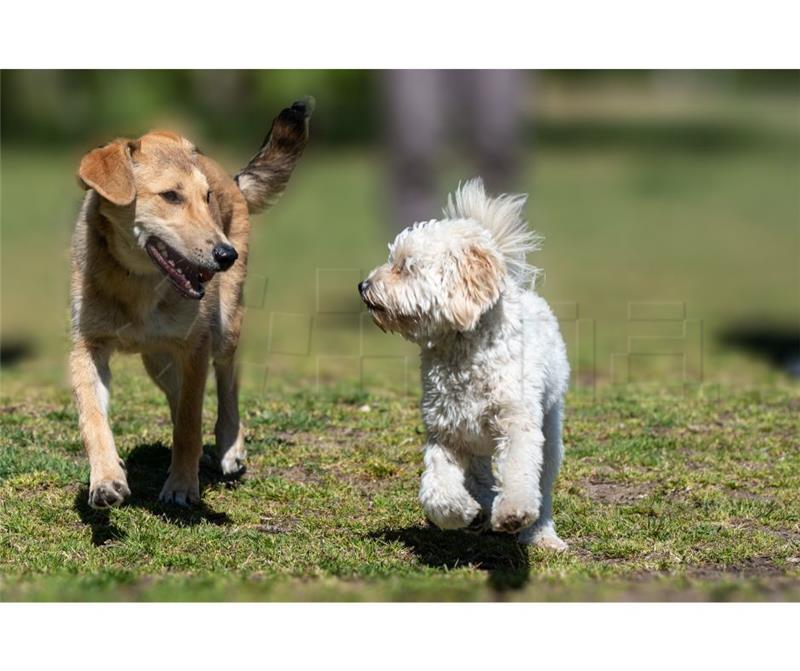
(109, 171)
(481, 274)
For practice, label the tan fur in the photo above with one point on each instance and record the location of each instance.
(108, 170)
(121, 301)
(481, 274)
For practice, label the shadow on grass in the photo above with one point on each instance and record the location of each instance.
(103, 530)
(13, 350)
(499, 555)
(147, 466)
(777, 344)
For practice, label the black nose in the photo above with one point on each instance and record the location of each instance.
(225, 255)
(362, 287)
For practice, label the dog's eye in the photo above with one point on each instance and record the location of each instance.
(404, 267)
(208, 197)
(171, 197)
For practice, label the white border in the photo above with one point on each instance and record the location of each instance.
(411, 33)
(400, 636)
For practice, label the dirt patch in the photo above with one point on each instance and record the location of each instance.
(297, 473)
(365, 483)
(755, 567)
(609, 492)
(785, 534)
(285, 438)
(745, 495)
(270, 525)
(37, 410)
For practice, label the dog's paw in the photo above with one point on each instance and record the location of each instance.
(180, 490)
(548, 542)
(108, 493)
(232, 459)
(509, 516)
(232, 465)
(543, 535)
(452, 513)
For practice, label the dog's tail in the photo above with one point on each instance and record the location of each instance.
(265, 177)
(502, 217)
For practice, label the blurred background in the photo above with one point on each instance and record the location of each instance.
(669, 203)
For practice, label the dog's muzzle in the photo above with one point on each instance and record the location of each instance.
(363, 288)
(187, 277)
(225, 256)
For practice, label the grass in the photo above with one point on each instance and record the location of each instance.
(668, 491)
(661, 497)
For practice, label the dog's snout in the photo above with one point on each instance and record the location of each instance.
(363, 286)
(225, 256)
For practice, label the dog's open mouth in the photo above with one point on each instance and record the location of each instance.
(187, 277)
(373, 306)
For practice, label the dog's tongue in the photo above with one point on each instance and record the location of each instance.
(187, 277)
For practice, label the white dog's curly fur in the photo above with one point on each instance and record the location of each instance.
(494, 364)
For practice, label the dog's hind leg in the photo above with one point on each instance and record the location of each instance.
(228, 429)
(543, 532)
(165, 372)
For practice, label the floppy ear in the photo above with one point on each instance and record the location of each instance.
(479, 281)
(109, 171)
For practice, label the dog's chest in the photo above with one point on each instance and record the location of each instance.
(168, 322)
(157, 324)
(458, 409)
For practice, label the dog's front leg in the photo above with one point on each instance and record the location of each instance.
(445, 499)
(517, 466)
(183, 484)
(91, 379)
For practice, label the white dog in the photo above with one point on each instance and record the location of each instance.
(494, 365)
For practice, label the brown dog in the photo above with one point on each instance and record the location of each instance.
(158, 223)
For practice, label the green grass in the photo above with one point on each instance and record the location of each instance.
(669, 490)
(660, 497)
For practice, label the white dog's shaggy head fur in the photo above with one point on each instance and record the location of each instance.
(443, 275)
(494, 366)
